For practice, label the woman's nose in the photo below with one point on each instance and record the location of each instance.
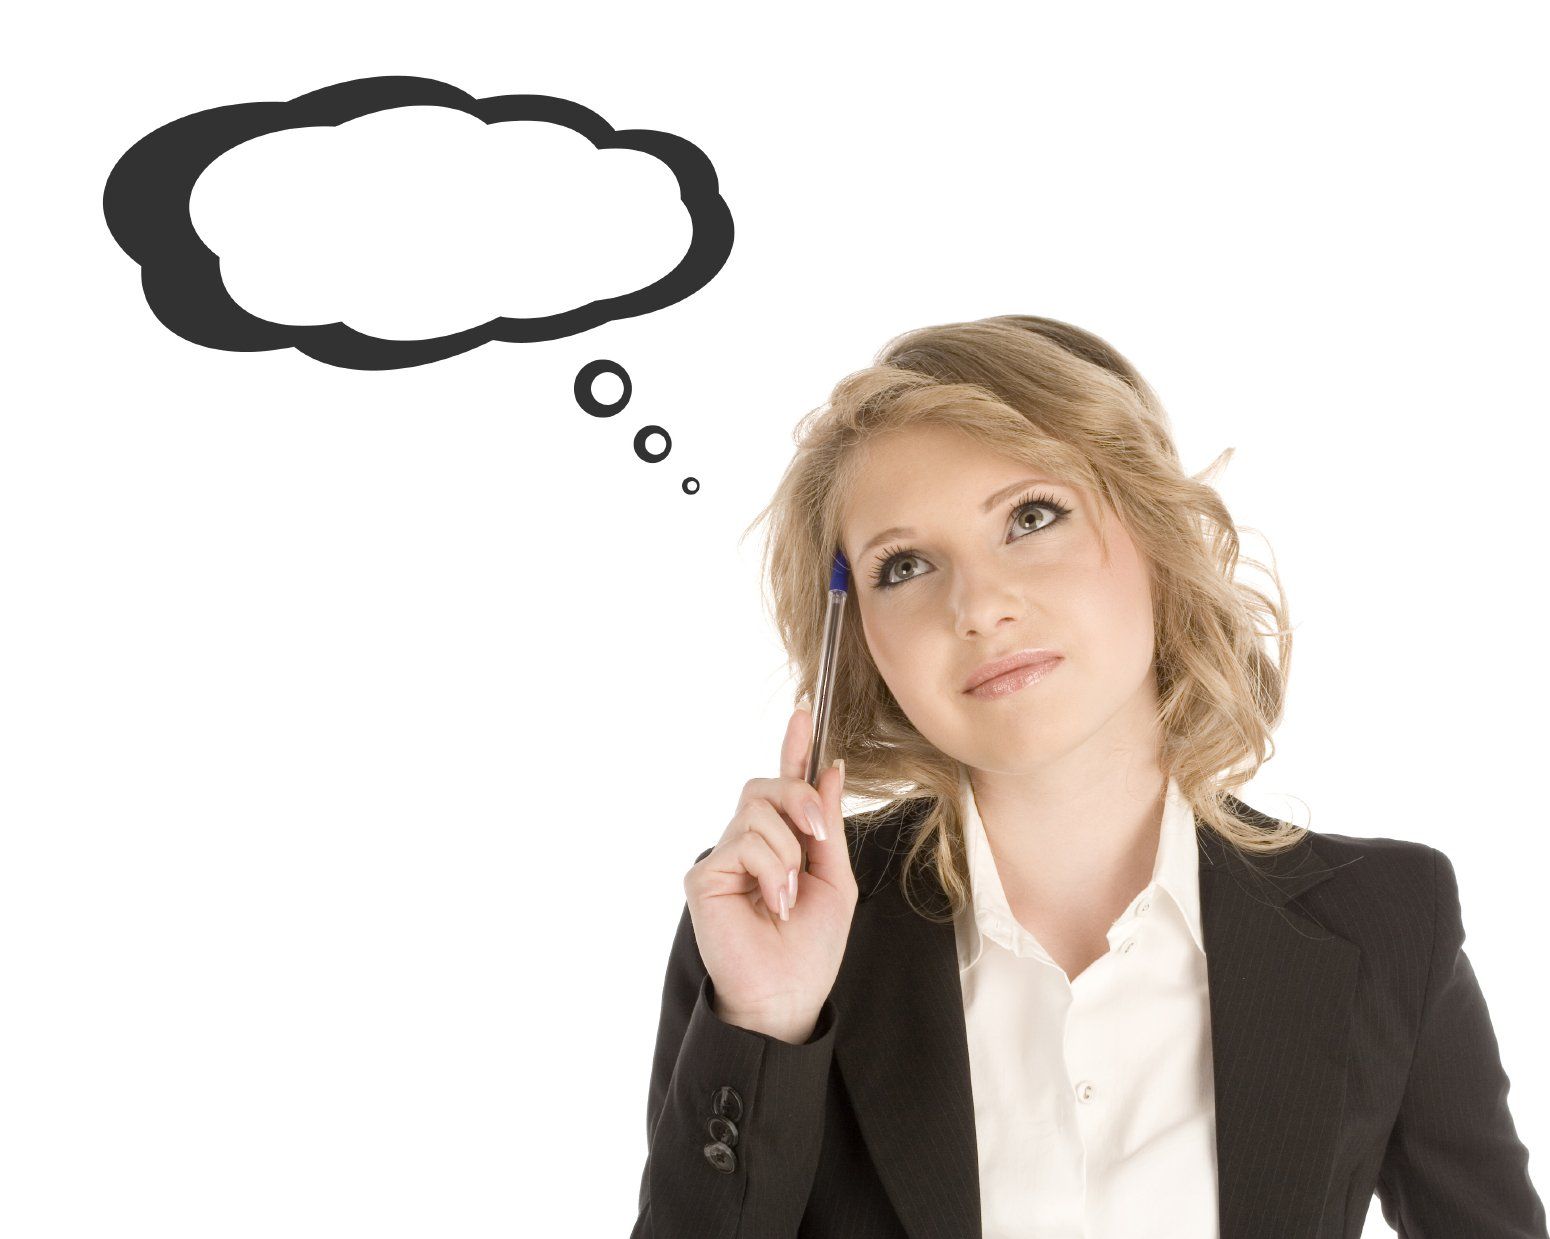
(986, 591)
(984, 607)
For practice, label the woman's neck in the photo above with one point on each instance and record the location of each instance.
(1082, 835)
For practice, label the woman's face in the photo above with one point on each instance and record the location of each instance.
(967, 585)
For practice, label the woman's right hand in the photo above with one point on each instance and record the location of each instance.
(773, 973)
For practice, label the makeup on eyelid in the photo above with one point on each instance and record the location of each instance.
(1030, 499)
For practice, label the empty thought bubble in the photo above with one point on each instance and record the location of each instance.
(394, 221)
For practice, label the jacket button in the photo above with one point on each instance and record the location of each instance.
(721, 1157)
(723, 1129)
(727, 1103)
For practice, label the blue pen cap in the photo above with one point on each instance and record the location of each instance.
(839, 575)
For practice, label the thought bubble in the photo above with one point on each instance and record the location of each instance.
(395, 221)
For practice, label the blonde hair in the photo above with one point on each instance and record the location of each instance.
(1063, 400)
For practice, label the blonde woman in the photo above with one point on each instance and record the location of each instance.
(1064, 983)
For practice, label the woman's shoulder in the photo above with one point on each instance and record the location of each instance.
(1389, 896)
(1359, 860)
(879, 838)
(1380, 866)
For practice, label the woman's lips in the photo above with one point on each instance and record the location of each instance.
(1018, 677)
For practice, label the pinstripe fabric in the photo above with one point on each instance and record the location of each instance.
(1352, 1052)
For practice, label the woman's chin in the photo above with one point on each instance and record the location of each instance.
(1015, 746)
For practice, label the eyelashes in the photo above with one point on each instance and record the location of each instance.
(1033, 499)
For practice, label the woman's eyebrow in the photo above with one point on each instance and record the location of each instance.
(904, 531)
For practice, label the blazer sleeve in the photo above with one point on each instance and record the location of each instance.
(734, 1118)
(1454, 1167)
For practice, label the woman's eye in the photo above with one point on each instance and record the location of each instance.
(884, 579)
(1033, 507)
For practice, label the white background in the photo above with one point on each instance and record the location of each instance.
(359, 728)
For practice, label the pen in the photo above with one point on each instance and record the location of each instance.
(823, 694)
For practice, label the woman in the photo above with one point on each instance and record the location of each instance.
(1064, 982)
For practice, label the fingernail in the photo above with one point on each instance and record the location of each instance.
(785, 913)
(791, 881)
(814, 818)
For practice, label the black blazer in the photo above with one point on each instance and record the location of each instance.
(1353, 1052)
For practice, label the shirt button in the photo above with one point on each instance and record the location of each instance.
(1085, 1090)
(1127, 946)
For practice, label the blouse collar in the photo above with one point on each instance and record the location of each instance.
(1176, 870)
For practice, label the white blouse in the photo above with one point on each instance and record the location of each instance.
(1094, 1103)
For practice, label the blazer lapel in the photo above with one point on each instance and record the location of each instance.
(902, 1048)
(1280, 992)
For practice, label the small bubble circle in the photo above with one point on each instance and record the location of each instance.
(645, 453)
(590, 403)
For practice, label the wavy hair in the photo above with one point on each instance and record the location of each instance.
(1061, 399)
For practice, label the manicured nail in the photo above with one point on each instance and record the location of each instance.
(814, 818)
(785, 913)
(791, 882)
